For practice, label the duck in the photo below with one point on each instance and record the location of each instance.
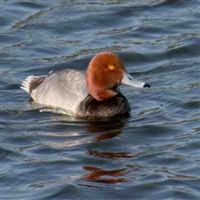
(92, 94)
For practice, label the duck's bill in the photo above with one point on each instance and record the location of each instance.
(129, 80)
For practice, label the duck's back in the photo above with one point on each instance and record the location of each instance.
(64, 89)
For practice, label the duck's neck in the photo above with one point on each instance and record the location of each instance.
(100, 94)
(97, 90)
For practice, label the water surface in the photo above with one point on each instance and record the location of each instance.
(154, 154)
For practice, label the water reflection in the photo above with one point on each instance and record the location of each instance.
(104, 176)
(96, 174)
(110, 154)
(106, 135)
(67, 132)
(92, 132)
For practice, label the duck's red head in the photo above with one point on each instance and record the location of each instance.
(106, 71)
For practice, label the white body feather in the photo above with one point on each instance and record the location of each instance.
(64, 90)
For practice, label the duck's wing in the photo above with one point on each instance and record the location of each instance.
(65, 90)
(73, 82)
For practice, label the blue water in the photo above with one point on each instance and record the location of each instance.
(155, 153)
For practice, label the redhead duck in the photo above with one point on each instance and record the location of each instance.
(94, 94)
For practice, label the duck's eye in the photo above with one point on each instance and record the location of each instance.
(111, 67)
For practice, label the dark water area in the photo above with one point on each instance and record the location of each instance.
(155, 153)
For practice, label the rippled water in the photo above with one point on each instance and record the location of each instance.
(154, 154)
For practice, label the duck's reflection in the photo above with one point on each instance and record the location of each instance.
(106, 130)
(103, 176)
(69, 134)
(106, 135)
(88, 134)
(110, 154)
(97, 174)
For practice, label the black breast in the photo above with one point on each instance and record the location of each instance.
(112, 107)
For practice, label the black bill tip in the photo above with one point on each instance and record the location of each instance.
(146, 85)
